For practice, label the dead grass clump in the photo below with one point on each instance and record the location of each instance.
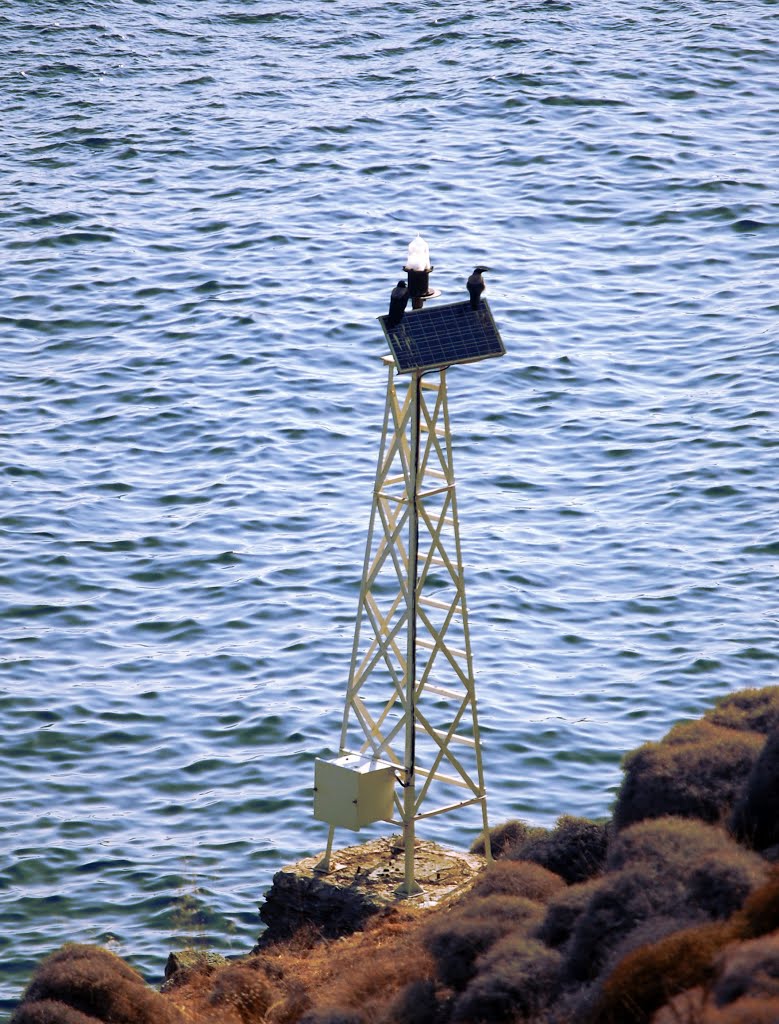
(755, 820)
(49, 1011)
(752, 710)
(247, 991)
(563, 912)
(760, 913)
(748, 969)
(100, 985)
(517, 878)
(575, 849)
(644, 980)
(513, 982)
(507, 836)
(696, 771)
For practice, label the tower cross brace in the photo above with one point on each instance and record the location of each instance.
(410, 716)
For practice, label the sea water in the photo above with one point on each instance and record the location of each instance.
(204, 207)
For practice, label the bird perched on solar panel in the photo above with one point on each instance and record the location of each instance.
(398, 303)
(476, 286)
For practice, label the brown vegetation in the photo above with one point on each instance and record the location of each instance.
(662, 917)
(748, 969)
(92, 984)
(649, 976)
(507, 836)
(50, 1011)
(752, 710)
(517, 878)
(564, 910)
(755, 818)
(460, 937)
(696, 771)
(760, 913)
(514, 981)
(575, 848)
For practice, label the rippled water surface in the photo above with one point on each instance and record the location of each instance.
(203, 207)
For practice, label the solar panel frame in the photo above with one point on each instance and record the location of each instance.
(437, 336)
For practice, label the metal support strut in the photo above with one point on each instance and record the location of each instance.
(410, 699)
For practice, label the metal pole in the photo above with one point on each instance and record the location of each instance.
(410, 887)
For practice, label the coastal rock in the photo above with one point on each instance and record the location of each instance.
(362, 881)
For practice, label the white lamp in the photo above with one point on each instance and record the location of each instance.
(418, 269)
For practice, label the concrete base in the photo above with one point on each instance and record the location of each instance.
(362, 880)
(377, 869)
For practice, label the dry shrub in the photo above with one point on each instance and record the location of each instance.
(720, 883)
(667, 843)
(458, 939)
(517, 878)
(575, 849)
(751, 710)
(563, 912)
(747, 1011)
(648, 933)
(48, 1011)
(361, 973)
(755, 820)
(370, 984)
(71, 952)
(760, 912)
(417, 1003)
(623, 900)
(716, 872)
(291, 1007)
(686, 1008)
(644, 980)
(507, 836)
(98, 984)
(513, 982)
(332, 1016)
(246, 990)
(748, 969)
(696, 771)
(514, 911)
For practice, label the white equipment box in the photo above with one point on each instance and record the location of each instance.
(353, 790)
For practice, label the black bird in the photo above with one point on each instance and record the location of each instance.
(476, 286)
(398, 303)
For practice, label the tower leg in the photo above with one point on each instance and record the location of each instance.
(487, 842)
(410, 886)
(323, 867)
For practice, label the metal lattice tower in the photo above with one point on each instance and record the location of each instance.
(410, 701)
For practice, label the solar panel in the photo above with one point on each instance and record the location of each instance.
(441, 335)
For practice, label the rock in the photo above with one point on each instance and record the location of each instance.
(362, 881)
(182, 964)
